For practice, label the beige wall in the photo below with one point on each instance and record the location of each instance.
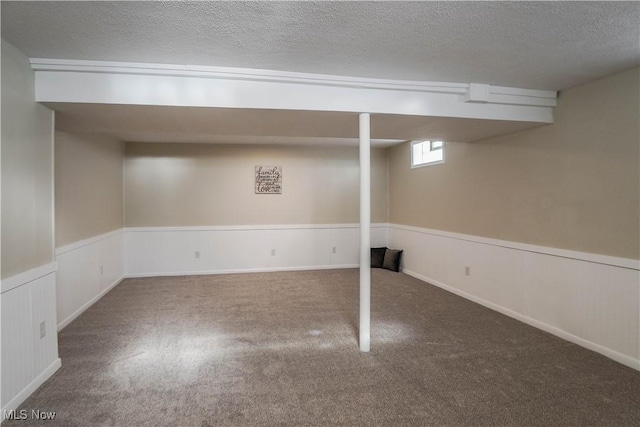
(27, 169)
(574, 184)
(89, 186)
(200, 184)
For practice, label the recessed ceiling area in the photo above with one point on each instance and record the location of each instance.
(137, 123)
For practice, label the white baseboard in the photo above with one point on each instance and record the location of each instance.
(242, 271)
(29, 389)
(88, 304)
(618, 357)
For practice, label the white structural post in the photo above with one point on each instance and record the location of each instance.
(365, 230)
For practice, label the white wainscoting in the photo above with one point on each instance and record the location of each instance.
(87, 270)
(28, 299)
(240, 249)
(587, 299)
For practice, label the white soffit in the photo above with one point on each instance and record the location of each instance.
(138, 123)
(88, 82)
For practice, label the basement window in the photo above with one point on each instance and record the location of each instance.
(425, 153)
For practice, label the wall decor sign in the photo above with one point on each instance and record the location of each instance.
(268, 179)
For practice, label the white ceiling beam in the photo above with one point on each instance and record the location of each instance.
(102, 82)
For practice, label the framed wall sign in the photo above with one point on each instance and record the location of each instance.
(268, 179)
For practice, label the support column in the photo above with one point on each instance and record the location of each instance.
(365, 230)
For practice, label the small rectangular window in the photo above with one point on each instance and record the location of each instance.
(426, 153)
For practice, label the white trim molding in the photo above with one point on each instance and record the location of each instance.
(631, 264)
(89, 241)
(243, 271)
(28, 276)
(105, 82)
(250, 227)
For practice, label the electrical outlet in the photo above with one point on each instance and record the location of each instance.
(197, 254)
(43, 329)
(101, 270)
(467, 270)
(273, 252)
(334, 250)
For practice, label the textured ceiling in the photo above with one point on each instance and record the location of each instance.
(537, 45)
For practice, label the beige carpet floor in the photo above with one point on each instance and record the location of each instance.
(281, 349)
